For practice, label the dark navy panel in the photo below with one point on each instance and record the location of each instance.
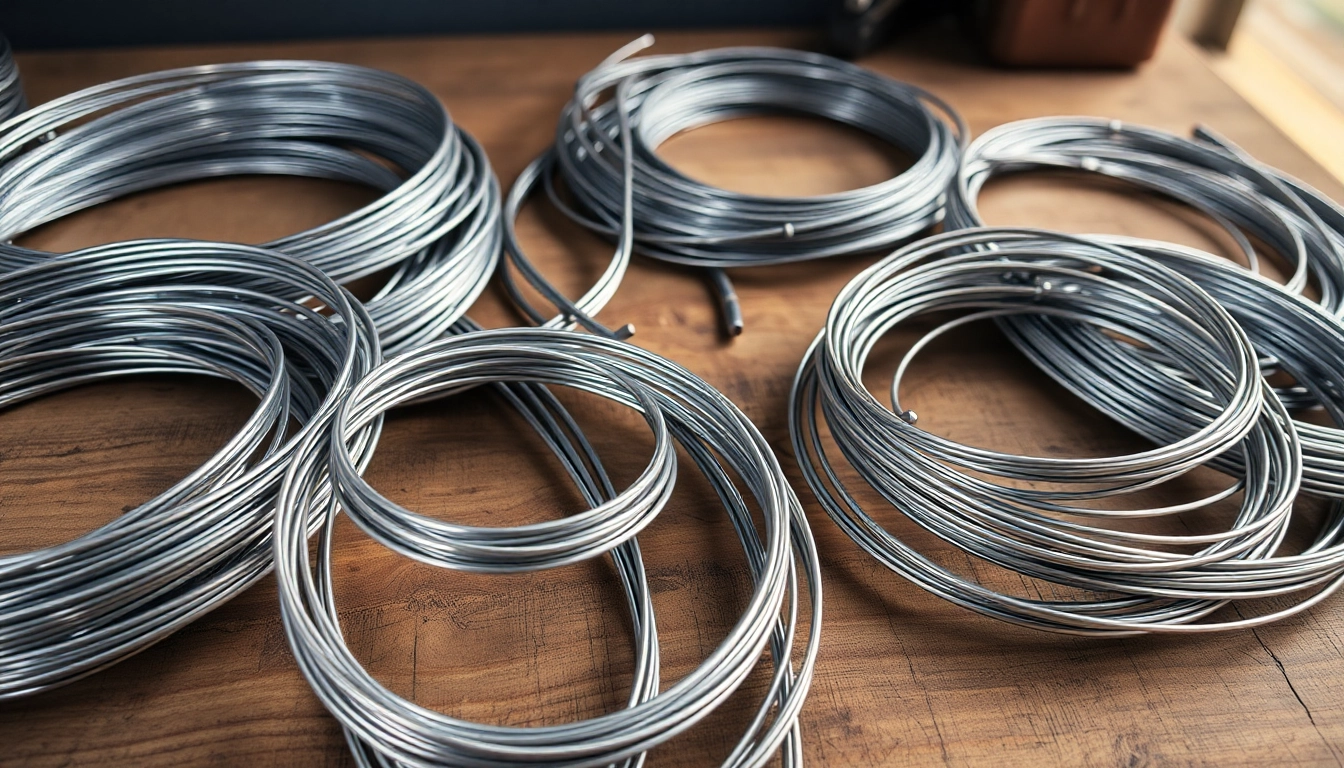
(88, 23)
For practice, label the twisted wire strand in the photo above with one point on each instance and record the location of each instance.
(605, 152)
(384, 729)
(1298, 225)
(1030, 514)
(435, 227)
(161, 306)
(12, 100)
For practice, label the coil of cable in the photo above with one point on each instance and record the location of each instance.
(160, 306)
(1033, 515)
(1301, 227)
(435, 228)
(384, 729)
(1304, 339)
(605, 152)
(12, 100)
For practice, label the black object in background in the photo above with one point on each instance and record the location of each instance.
(32, 24)
(858, 27)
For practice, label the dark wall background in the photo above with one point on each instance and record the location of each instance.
(33, 24)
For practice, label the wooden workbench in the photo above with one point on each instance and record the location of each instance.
(903, 677)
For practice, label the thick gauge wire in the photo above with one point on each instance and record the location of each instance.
(12, 100)
(605, 153)
(272, 323)
(1253, 202)
(1030, 514)
(435, 227)
(384, 729)
(1305, 340)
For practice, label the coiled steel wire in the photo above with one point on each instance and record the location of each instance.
(12, 100)
(161, 306)
(384, 729)
(1030, 514)
(1146, 394)
(435, 228)
(1298, 225)
(605, 152)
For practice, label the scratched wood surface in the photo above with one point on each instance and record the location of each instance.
(903, 677)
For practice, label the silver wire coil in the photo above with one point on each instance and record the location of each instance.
(1251, 201)
(12, 100)
(1031, 515)
(163, 306)
(435, 228)
(384, 729)
(1143, 393)
(605, 151)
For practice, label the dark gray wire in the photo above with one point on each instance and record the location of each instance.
(12, 100)
(384, 729)
(605, 151)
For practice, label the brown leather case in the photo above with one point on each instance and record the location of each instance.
(1072, 33)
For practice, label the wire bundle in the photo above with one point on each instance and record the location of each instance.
(1145, 394)
(12, 100)
(1031, 514)
(160, 306)
(1250, 200)
(384, 729)
(435, 228)
(605, 151)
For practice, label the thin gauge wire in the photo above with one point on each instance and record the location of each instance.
(1030, 514)
(384, 729)
(1303, 228)
(12, 100)
(161, 306)
(605, 152)
(435, 228)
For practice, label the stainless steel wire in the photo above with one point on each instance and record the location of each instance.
(384, 729)
(1147, 395)
(12, 100)
(605, 152)
(1298, 225)
(1031, 515)
(435, 228)
(272, 323)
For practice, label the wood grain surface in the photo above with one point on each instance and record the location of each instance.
(904, 678)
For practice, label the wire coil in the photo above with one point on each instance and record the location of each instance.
(605, 152)
(384, 729)
(435, 228)
(12, 100)
(1251, 201)
(161, 306)
(1030, 514)
(1144, 394)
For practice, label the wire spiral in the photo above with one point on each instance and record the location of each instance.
(162, 306)
(435, 228)
(384, 729)
(605, 151)
(1031, 514)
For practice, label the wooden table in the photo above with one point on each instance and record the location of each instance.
(903, 676)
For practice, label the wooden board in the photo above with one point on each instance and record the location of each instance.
(903, 677)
